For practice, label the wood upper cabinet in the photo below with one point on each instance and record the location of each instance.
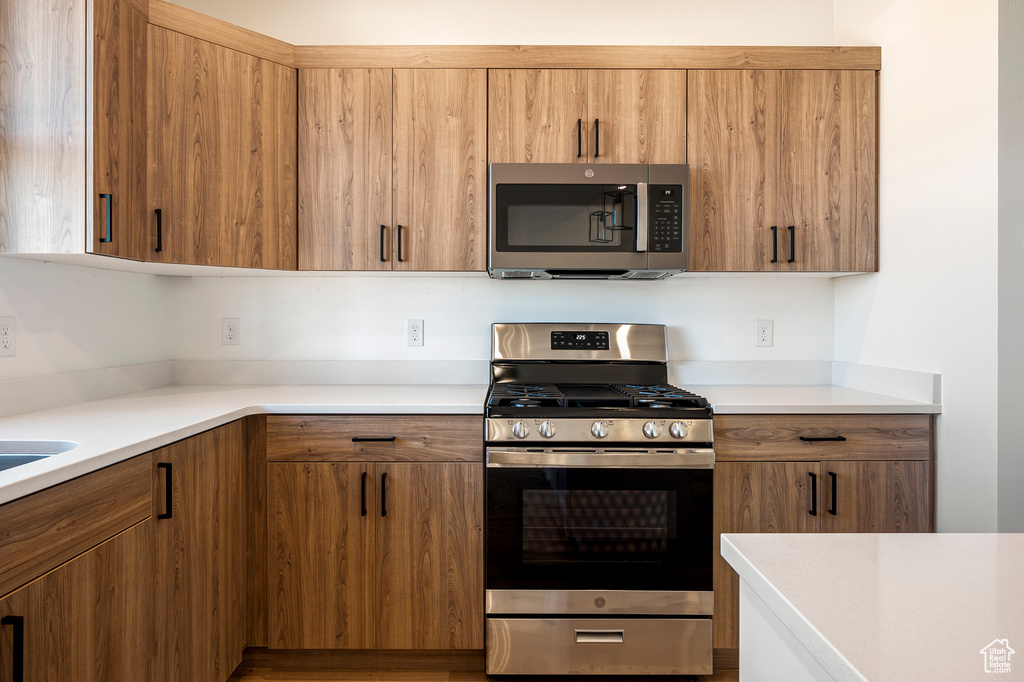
(783, 170)
(384, 554)
(199, 505)
(815, 473)
(88, 620)
(393, 169)
(222, 155)
(73, 149)
(586, 116)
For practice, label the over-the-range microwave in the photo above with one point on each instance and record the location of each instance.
(587, 221)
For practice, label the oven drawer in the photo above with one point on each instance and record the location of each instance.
(599, 646)
(377, 438)
(816, 437)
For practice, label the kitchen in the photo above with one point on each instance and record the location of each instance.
(73, 320)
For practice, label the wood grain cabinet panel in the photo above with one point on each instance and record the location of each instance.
(222, 155)
(587, 116)
(89, 620)
(768, 480)
(783, 170)
(200, 582)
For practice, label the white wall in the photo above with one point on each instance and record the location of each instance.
(1011, 266)
(73, 318)
(530, 22)
(933, 305)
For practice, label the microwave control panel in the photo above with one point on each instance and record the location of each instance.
(665, 234)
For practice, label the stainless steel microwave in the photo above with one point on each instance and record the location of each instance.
(579, 221)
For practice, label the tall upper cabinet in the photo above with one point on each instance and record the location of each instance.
(783, 170)
(73, 148)
(222, 167)
(586, 116)
(393, 169)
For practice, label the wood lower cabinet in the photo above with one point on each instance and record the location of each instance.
(816, 473)
(222, 155)
(384, 554)
(200, 512)
(783, 170)
(89, 620)
(587, 116)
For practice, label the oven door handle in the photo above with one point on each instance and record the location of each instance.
(641, 217)
(512, 458)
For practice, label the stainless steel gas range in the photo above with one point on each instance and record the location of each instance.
(599, 480)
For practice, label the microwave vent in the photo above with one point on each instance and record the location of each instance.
(517, 274)
(647, 274)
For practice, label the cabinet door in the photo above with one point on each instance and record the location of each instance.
(756, 497)
(119, 129)
(201, 555)
(322, 516)
(430, 555)
(733, 151)
(537, 116)
(875, 497)
(828, 184)
(637, 116)
(222, 154)
(345, 169)
(89, 619)
(440, 168)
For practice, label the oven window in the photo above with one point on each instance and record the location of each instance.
(562, 526)
(554, 218)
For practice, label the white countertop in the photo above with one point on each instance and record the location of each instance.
(113, 429)
(891, 606)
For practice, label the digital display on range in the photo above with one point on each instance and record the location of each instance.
(579, 340)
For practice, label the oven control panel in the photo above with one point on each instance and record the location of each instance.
(520, 429)
(579, 340)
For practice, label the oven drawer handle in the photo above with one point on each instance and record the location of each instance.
(678, 459)
(600, 636)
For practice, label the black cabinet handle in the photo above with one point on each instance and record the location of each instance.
(382, 257)
(109, 200)
(832, 509)
(399, 243)
(579, 137)
(159, 230)
(384, 494)
(373, 439)
(597, 138)
(833, 439)
(363, 494)
(814, 493)
(18, 658)
(792, 243)
(169, 491)
(775, 244)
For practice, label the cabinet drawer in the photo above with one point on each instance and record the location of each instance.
(48, 528)
(378, 438)
(805, 437)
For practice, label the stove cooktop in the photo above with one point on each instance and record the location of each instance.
(601, 396)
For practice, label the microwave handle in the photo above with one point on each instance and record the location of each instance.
(641, 217)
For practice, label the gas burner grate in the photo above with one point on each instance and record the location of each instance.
(660, 396)
(526, 395)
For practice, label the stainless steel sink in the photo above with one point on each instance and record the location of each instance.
(17, 452)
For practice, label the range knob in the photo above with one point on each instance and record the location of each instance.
(652, 429)
(599, 429)
(546, 429)
(679, 429)
(520, 430)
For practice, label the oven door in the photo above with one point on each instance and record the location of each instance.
(574, 522)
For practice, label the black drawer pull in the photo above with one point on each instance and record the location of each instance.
(792, 244)
(373, 439)
(108, 199)
(597, 137)
(382, 257)
(159, 230)
(18, 655)
(832, 509)
(579, 137)
(775, 243)
(384, 494)
(169, 491)
(814, 493)
(823, 439)
(400, 254)
(363, 495)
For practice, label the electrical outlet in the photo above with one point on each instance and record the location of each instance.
(229, 331)
(764, 332)
(7, 336)
(414, 332)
